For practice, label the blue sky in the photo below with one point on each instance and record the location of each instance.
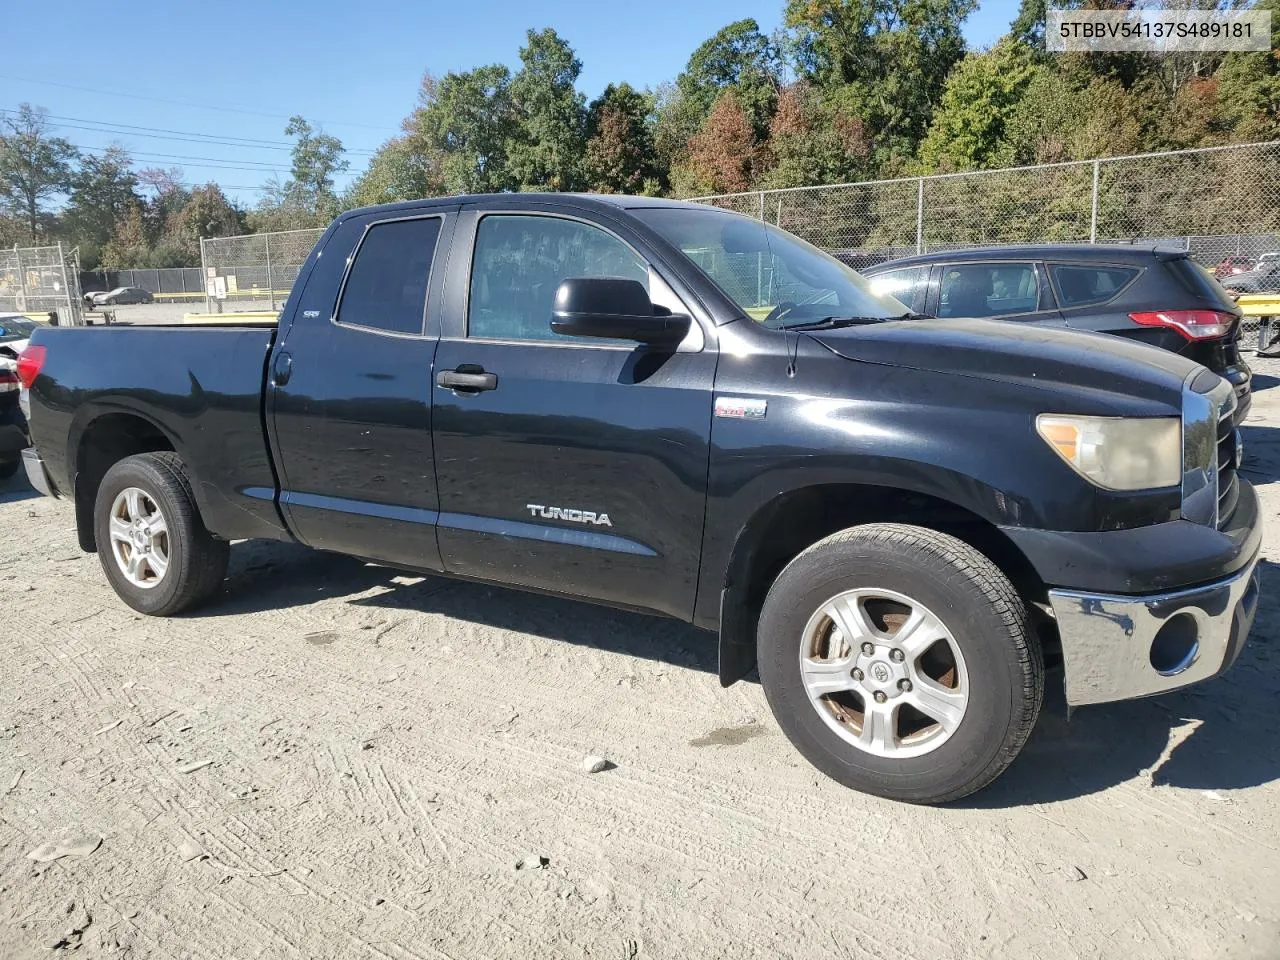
(236, 70)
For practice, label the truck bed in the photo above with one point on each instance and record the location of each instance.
(197, 389)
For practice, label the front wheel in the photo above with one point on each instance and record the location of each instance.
(901, 662)
(153, 546)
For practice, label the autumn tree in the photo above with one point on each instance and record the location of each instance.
(128, 247)
(813, 141)
(397, 172)
(207, 213)
(620, 156)
(724, 155)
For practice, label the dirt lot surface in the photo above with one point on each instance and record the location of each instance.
(337, 761)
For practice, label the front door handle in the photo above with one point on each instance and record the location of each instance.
(469, 378)
(281, 368)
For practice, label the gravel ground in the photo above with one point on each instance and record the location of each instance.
(334, 760)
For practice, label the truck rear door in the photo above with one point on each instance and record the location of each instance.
(573, 465)
(349, 390)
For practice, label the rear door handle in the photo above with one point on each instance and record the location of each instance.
(468, 378)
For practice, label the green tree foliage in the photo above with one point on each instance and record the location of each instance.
(102, 191)
(397, 171)
(738, 56)
(307, 198)
(982, 94)
(620, 155)
(34, 166)
(893, 56)
(546, 149)
(1249, 87)
(463, 125)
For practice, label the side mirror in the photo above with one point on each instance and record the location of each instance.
(613, 308)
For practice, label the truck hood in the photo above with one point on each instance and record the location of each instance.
(1009, 352)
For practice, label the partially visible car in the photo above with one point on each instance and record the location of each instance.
(15, 332)
(1231, 266)
(1264, 278)
(1155, 295)
(122, 295)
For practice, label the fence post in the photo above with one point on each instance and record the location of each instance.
(919, 214)
(22, 280)
(70, 318)
(204, 279)
(271, 286)
(1093, 214)
(762, 206)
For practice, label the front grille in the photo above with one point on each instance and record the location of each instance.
(1228, 479)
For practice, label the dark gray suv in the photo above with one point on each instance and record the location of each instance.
(1161, 297)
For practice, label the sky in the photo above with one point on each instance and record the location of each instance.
(210, 87)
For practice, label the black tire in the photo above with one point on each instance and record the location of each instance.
(986, 618)
(8, 468)
(197, 559)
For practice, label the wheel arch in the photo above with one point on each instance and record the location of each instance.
(100, 443)
(794, 520)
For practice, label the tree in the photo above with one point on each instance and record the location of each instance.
(128, 247)
(620, 156)
(738, 56)
(464, 123)
(546, 148)
(34, 167)
(893, 56)
(982, 93)
(813, 141)
(724, 156)
(1057, 120)
(397, 172)
(207, 213)
(102, 192)
(1249, 87)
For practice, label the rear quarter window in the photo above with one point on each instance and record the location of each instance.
(1079, 285)
(1200, 282)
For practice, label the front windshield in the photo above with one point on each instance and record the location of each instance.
(774, 277)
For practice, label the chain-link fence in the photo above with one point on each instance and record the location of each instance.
(1216, 202)
(254, 271)
(39, 281)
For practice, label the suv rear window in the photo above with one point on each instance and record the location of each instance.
(901, 284)
(1079, 285)
(1200, 282)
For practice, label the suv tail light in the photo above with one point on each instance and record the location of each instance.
(1192, 324)
(30, 361)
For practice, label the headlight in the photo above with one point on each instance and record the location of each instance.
(1117, 453)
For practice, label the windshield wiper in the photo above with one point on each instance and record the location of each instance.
(833, 323)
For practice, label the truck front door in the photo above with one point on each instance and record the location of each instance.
(571, 465)
(349, 392)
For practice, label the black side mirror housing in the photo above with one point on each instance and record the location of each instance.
(613, 308)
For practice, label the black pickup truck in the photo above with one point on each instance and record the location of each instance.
(670, 408)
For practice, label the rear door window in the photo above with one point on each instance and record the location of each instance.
(988, 289)
(386, 287)
(1079, 285)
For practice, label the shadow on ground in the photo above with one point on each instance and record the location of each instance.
(16, 488)
(1225, 733)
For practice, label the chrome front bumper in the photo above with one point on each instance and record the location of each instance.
(1120, 647)
(36, 473)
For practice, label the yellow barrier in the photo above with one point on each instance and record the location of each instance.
(247, 318)
(1259, 304)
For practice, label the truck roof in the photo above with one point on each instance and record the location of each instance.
(582, 200)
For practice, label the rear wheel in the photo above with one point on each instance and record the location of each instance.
(153, 546)
(901, 662)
